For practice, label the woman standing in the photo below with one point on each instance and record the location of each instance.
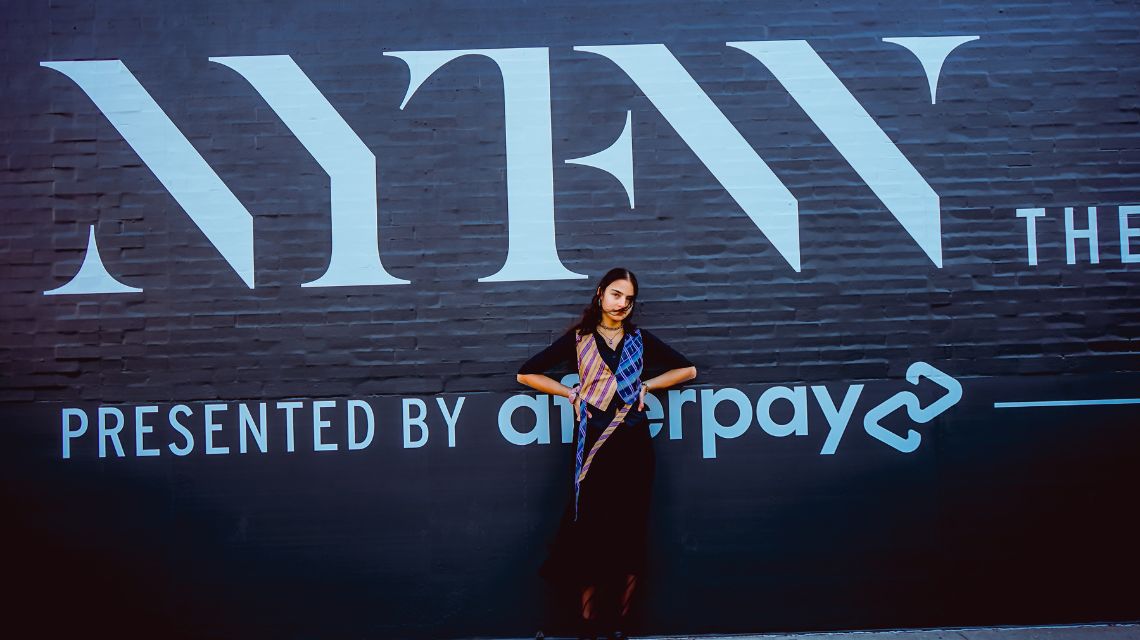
(600, 547)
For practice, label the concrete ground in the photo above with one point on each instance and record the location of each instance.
(1059, 632)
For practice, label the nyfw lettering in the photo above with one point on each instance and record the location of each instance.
(355, 258)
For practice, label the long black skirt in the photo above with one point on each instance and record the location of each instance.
(609, 539)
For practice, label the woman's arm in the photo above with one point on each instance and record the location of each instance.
(680, 367)
(670, 378)
(664, 381)
(543, 383)
(561, 353)
(549, 385)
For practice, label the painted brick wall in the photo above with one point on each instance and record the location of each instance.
(1042, 111)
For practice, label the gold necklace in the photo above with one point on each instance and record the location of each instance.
(610, 340)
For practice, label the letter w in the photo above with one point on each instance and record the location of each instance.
(742, 172)
(712, 137)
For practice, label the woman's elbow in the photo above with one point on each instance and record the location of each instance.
(691, 372)
(520, 377)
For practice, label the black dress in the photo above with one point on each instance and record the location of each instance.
(608, 541)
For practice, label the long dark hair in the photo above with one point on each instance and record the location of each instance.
(592, 313)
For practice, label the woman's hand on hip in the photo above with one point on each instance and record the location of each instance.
(578, 411)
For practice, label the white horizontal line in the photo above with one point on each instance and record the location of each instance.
(1065, 403)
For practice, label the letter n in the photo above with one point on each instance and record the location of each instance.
(178, 166)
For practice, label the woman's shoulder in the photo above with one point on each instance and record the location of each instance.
(558, 352)
(662, 352)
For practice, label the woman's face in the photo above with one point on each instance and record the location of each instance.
(617, 300)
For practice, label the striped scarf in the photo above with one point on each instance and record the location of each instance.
(597, 387)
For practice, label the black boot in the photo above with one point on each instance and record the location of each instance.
(589, 629)
(613, 626)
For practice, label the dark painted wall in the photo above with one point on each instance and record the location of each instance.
(999, 516)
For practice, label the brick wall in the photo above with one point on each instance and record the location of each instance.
(1041, 111)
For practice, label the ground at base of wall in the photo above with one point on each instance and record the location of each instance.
(1129, 631)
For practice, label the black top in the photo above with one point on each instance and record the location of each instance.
(563, 352)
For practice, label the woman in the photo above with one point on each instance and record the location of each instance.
(600, 547)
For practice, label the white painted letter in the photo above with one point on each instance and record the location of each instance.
(418, 421)
(1127, 233)
(340, 152)
(212, 428)
(369, 419)
(711, 429)
(1072, 234)
(450, 418)
(677, 400)
(320, 423)
(714, 140)
(112, 433)
(68, 432)
(248, 427)
(289, 408)
(142, 429)
(186, 434)
(856, 137)
(540, 406)
(837, 419)
(654, 411)
(169, 155)
(1031, 216)
(531, 250)
(798, 425)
